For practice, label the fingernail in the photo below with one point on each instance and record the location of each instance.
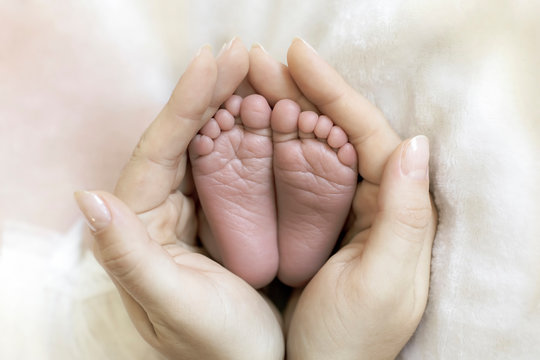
(307, 44)
(222, 50)
(258, 45)
(229, 44)
(226, 46)
(204, 47)
(415, 158)
(94, 209)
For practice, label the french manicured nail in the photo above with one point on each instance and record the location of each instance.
(226, 46)
(229, 44)
(259, 46)
(202, 48)
(222, 50)
(94, 209)
(307, 44)
(415, 158)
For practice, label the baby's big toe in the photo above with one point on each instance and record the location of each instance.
(284, 120)
(255, 113)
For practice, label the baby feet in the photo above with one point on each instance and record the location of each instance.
(235, 163)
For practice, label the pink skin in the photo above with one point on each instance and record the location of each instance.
(235, 166)
(234, 180)
(315, 176)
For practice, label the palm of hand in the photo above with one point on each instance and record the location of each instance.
(233, 309)
(351, 288)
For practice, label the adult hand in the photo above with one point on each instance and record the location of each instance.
(368, 299)
(183, 303)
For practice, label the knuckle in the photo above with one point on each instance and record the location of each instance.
(121, 263)
(176, 107)
(411, 221)
(141, 147)
(146, 151)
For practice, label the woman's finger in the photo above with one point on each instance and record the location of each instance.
(158, 163)
(272, 80)
(148, 177)
(124, 249)
(399, 246)
(365, 125)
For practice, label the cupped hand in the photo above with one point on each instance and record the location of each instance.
(183, 303)
(368, 299)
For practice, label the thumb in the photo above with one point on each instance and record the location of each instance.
(402, 233)
(122, 246)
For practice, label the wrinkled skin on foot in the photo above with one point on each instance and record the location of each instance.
(232, 170)
(315, 176)
(235, 168)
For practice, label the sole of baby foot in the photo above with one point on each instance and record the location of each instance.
(315, 176)
(231, 161)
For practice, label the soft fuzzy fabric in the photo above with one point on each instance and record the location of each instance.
(464, 73)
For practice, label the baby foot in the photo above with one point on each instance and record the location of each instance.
(231, 161)
(315, 177)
